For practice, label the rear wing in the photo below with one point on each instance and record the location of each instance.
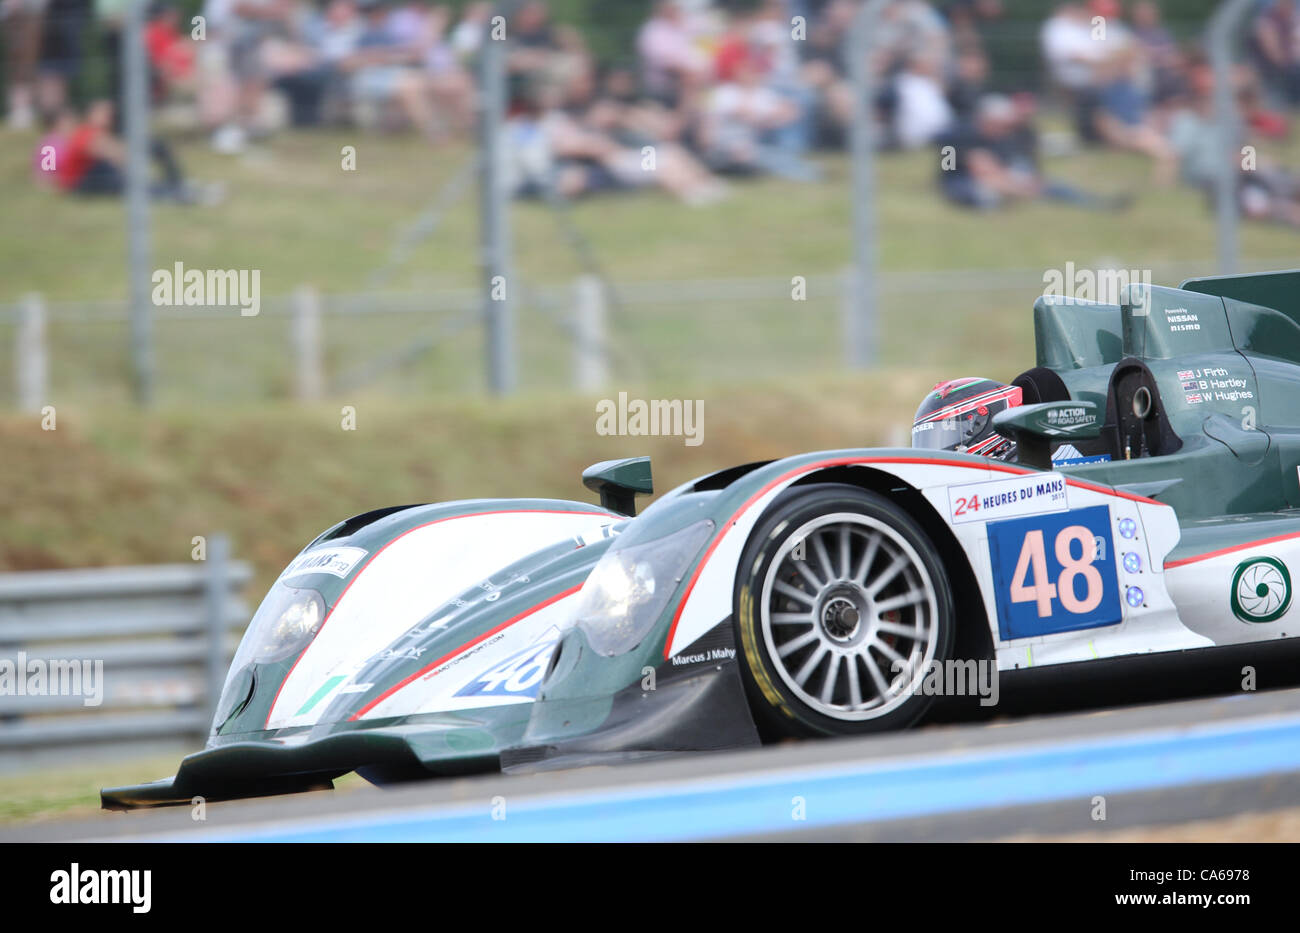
(1263, 310)
(1277, 290)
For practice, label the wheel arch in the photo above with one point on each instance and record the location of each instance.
(974, 638)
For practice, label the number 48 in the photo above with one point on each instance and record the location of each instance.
(1033, 560)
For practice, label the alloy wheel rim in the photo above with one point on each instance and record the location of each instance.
(848, 615)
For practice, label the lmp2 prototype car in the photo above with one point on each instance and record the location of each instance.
(800, 596)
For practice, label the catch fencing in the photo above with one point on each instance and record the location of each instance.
(583, 336)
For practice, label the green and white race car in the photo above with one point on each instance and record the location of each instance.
(809, 595)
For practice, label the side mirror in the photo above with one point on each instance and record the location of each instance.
(619, 482)
(1035, 428)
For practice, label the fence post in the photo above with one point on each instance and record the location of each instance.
(1223, 25)
(31, 364)
(135, 115)
(590, 365)
(218, 602)
(861, 306)
(495, 247)
(309, 384)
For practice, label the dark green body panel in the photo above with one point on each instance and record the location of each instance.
(1240, 443)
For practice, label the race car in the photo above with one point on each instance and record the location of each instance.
(805, 596)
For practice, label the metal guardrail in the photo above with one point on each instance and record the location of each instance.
(119, 653)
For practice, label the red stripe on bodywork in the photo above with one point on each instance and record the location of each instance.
(463, 648)
(1230, 550)
(371, 559)
(994, 465)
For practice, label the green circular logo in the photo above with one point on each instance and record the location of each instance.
(1261, 590)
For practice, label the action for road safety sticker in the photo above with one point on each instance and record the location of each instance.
(336, 560)
(1033, 494)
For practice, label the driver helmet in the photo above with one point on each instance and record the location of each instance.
(958, 415)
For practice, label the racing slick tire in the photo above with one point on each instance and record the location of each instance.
(841, 607)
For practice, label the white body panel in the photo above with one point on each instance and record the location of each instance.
(503, 669)
(407, 580)
(1154, 625)
(1204, 587)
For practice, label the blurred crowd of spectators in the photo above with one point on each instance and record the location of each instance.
(1130, 85)
(711, 90)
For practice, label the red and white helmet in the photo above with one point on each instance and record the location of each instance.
(958, 415)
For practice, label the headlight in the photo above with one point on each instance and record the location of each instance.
(285, 622)
(630, 586)
(283, 625)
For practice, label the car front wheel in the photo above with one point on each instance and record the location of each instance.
(842, 607)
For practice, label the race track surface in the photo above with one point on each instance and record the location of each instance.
(1156, 764)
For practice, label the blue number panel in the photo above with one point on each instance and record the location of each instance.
(1095, 599)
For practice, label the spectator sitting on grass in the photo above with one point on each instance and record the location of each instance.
(552, 151)
(1275, 48)
(921, 110)
(910, 29)
(1264, 192)
(468, 34)
(825, 70)
(1257, 114)
(449, 85)
(968, 82)
(62, 51)
(968, 20)
(250, 24)
(89, 160)
(644, 128)
(775, 50)
(539, 48)
(749, 128)
(1161, 57)
(301, 63)
(383, 68)
(1122, 117)
(171, 53)
(993, 162)
(21, 20)
(672, 66)
(1073, 56)
(1093, 56)
(638, 114)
